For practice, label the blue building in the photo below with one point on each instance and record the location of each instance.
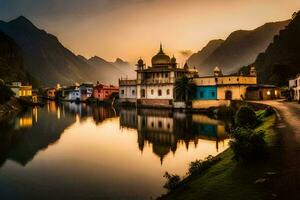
(206, 93)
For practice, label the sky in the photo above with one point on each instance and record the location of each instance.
(130, 29)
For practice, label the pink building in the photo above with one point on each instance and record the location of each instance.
(104, 92)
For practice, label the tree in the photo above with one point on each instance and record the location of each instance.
(294, 15)
(184, 89)
(245, 117)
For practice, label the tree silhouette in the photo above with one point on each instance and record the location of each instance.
(184, 89)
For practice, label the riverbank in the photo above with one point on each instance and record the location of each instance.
(12, 107)
(229, 179)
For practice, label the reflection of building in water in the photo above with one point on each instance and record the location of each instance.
(84, 111)
(102, 113)
(22, 138)
(128, 118)
(27, 119)
(165, 129)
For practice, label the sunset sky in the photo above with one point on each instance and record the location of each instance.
(133, 28)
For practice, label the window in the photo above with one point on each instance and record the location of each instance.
(213, 94)
(143, 123)
(201, 94)
(167, 75)
(160, 124)
(143, 93)
(152, 92)
(133, 92)
(122, 91)
(168, 92)
(159, 93)
(152, 124)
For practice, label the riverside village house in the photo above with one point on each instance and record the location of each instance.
(78, 92)
(154, 85)
(294, 87)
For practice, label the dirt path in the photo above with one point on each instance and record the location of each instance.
(286, 185)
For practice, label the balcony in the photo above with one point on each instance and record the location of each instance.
(157, 81)
(127, 82)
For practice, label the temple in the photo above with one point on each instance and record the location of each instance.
(154, 85)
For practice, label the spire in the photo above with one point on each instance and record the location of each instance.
(161, 48)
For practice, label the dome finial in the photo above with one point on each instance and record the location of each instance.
(161, 49)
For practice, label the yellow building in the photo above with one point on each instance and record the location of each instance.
(219, 90)
(21, 90)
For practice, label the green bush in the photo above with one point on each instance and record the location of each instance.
(245, 117)
(172, 181)
(5, 93)
(198, 166)
(269, 111)
(247, 144)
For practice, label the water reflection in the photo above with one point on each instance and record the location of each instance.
(165, 129)
(111, 153)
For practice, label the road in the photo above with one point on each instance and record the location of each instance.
(286, 185)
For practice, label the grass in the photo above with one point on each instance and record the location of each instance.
(230, 180)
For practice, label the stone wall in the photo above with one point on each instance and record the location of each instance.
(204, 104)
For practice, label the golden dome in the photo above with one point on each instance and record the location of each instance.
(160, 58)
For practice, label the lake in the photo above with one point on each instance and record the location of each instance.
(71, 151)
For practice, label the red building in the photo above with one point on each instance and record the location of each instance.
(104, 92)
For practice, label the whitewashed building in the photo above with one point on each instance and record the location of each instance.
(155, 84)
(294, 86)
(78, 93)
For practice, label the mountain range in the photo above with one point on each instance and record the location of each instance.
(281, 60)
(11, 61)
(50, 62)
(239, 49)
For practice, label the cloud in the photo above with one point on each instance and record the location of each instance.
(186, 53)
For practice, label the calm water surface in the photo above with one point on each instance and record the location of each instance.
(71, 151)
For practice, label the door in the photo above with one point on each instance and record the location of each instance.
(228, 95)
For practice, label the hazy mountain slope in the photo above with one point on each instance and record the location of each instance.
(48, 60)
(241, 48)
(125, 67)
(197, 58)
(45, 57)
(281, 60)
(109, 71)
(11, 61)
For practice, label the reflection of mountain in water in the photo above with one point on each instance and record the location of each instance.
(166, 129)
(22, 138)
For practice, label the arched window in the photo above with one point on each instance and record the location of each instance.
(168, 92)
(152, 92)
(133, 92)
(159, 93)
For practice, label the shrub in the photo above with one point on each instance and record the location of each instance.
(5, 93)
(198, 166)
(245, 117)
(247, 144)
(269, 111)
(172, 181)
